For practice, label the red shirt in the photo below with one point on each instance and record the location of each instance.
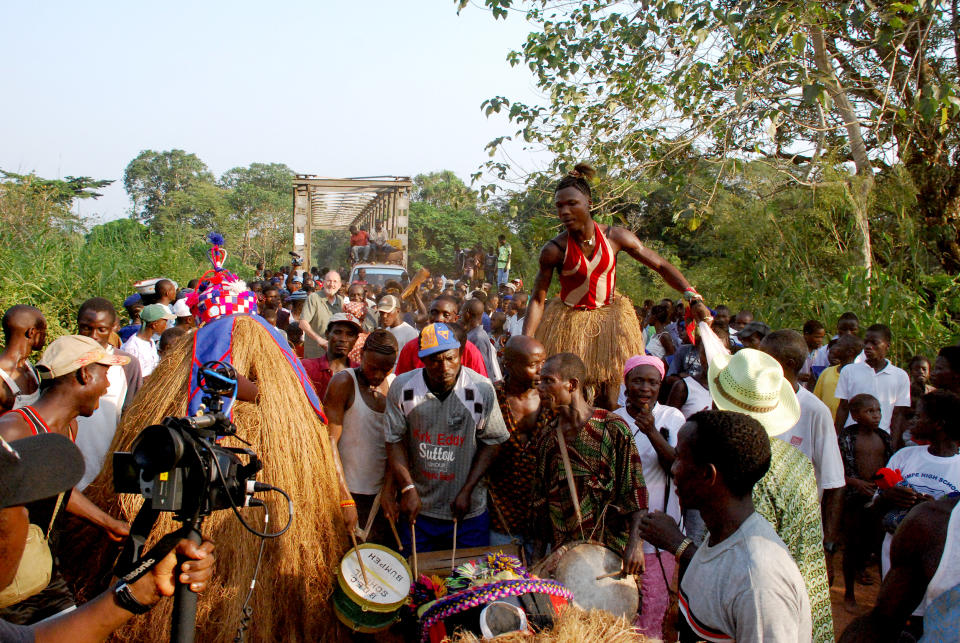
(318, 370)
(408, 359)
(359, 239)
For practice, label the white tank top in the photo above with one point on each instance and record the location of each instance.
(698, 398)
(21, 399)
(947, 575)
(362, 445)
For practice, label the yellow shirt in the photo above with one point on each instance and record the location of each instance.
(825, 388)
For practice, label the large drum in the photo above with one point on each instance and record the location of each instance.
(372, 606)
(579, 564)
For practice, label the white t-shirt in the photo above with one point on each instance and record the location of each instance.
(746, 588)
(891, 387)
(698, 398)
(95, 433)
(404, 332)
(664, 417)
(925, 473)
(145, 352)
(815, 435)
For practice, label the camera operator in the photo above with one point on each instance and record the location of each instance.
(43, 466)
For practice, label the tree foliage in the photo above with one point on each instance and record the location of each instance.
(443, 189)
(153, 178)
(632, 85)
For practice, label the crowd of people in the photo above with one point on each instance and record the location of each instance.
(728, 463)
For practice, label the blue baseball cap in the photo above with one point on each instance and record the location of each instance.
(436, 338)
(132, 299)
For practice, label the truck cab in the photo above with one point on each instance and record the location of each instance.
(378, 274)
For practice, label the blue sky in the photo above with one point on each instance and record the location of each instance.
(332, 88)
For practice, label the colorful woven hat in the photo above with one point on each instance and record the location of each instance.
(220, 292)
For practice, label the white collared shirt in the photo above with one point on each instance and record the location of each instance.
(890, 385)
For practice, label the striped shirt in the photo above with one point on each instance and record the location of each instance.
(441, 436)
(588, 282)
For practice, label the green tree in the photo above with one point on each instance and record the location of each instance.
(443, 189)
(633, 84)
(153, 178)
(260, 198)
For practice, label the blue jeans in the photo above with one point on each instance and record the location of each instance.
(434, 534)
(503, 276)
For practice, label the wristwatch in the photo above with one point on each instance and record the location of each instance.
(126, 600)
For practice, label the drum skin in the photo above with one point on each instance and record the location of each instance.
(577, 566)
(375, 606)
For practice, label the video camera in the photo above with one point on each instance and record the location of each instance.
(178, 466)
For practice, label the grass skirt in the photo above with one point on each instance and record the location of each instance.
(291, 599)
(604, 338)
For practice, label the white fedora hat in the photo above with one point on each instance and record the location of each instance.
(752, 382)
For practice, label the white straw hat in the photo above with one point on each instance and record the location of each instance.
(752, 382)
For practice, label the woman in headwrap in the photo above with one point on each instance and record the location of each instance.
(589, 317)
(654, 428)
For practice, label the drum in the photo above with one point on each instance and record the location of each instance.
(373, 606)
(577, 565)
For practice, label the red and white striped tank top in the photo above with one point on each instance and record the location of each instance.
(588, 283)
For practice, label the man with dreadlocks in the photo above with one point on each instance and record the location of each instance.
(590, 318)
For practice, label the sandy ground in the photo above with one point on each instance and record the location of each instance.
(866, 598)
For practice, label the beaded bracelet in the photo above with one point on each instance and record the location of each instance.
(686, 542)
(348, 503)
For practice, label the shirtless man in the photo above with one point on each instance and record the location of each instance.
(511, 475)
(921, 552)
(24, 331)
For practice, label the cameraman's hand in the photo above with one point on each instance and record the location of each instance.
(410, 504)
(160, 581)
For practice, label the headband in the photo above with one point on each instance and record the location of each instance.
(644, 360)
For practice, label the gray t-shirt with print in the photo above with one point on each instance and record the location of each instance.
(441, 436)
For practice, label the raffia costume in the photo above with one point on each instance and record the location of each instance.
(590, 318)
(286, 428)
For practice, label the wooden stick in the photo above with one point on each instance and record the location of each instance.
(363, 570)
(453, 554)
(393, 528)
(413, 542)
(619, 572)
(569, 471)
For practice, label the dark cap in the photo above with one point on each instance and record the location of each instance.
(37, 467)
(754, 328)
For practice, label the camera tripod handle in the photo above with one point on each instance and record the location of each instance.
(184, 624)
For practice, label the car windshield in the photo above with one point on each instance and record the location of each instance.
(380, 276)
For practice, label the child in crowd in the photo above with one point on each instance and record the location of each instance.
(295, 337)
(865, 448)
(843, 351)
(919, 371)
(813, 334)
(170, 337)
